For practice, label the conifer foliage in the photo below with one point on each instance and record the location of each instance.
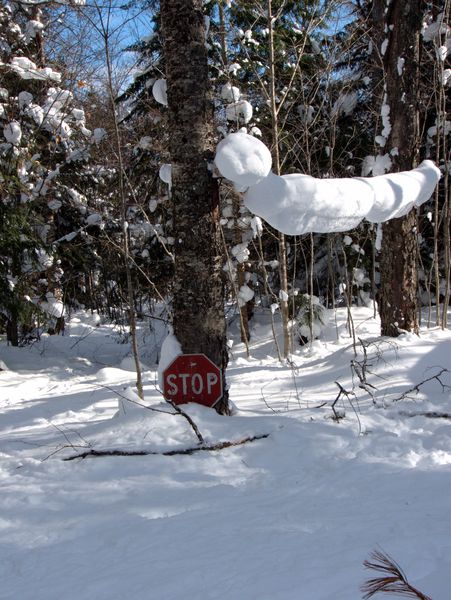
(44, 147)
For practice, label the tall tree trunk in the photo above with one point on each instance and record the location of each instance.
(283, 271)
(400, 48)
(198, 304)
(12, 330)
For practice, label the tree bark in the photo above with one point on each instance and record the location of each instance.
(12, 331)
(283, 270)
(198, 290)
(401, 39)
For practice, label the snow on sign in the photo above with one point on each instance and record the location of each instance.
(192, 378)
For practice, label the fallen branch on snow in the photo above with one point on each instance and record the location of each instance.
(204, 448)
(432, 414)
(416, 388)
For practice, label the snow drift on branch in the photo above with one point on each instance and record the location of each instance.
(243, 159)
(297, 204)
(27, 69)
(159, 91)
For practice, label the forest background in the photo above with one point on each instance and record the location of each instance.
(87, 213)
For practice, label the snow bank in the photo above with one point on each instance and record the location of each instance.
(313, 495)
(296, 204)
(243, 159)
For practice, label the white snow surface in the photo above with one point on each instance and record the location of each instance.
(290, 516)
(94, 219)
(243, 159)
(98, 135)
(379, 164)
(434, 29)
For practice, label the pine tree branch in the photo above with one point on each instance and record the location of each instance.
(393, 579)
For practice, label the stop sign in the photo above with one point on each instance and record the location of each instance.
(192, 378)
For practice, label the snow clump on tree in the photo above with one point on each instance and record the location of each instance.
(159, 91)
(296, 204)
(243, 159)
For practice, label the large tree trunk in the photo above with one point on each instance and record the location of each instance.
(401, 28)
(198, 305)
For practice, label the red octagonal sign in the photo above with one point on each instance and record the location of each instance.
(192, 378)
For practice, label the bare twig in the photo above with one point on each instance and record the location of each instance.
(416, 388)
(152, 408)
(347, 394)
(81, 339)
(264, 399)
(69, 444)
(294, 372)
(360, 368)
(342, 392)
(182, 413)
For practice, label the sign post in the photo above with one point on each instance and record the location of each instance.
(192, 378)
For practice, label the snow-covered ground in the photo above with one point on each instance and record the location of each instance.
(288, 517)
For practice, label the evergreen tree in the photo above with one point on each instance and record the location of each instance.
(44, 149)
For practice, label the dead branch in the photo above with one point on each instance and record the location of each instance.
(182, 413)
(430, 414)
(342, 392)
(347, 394)
(416, 388)
(264, 399)
(186, 451)
(360, 368)
(393, 579)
